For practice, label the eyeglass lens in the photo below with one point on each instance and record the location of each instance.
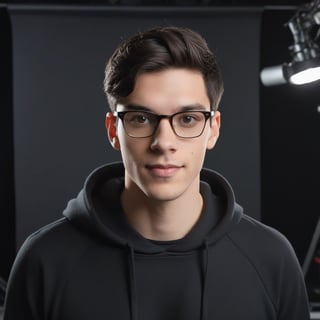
(187, 124)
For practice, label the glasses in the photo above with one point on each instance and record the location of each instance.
(143, 124)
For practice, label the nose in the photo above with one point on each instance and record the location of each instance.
(164, 139)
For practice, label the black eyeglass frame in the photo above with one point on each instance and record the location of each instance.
(159, 117)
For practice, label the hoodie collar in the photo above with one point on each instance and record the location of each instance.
(97, 210)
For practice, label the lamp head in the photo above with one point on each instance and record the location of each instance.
(303, 72)
(305, 52)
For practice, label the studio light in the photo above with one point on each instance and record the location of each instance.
(305, 51)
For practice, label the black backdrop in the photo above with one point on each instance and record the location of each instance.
(7, 200)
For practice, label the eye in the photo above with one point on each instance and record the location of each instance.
(189, 119)
(138, 118)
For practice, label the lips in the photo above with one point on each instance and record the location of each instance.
(160, 170)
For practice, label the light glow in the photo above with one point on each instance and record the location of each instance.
(306, 76)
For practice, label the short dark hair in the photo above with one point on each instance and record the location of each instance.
(159, 49)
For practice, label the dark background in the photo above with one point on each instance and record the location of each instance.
(290, 144)
(232, 3)
(52, 58)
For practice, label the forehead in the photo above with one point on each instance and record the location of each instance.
(168, 90)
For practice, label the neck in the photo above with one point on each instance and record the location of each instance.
(162, 220)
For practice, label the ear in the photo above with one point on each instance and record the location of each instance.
(214, 130)
(111, 126)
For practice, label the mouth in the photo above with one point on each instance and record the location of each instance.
(163, 171)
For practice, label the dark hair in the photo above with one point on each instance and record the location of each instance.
(159, 49)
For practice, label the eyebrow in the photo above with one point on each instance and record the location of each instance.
(191, 107)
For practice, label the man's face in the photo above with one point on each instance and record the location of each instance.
(164, 166)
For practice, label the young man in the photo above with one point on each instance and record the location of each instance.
(157, 237)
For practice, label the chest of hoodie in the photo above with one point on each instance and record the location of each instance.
(117, 285)
(163, 286)
(168, 285)
(202, 284)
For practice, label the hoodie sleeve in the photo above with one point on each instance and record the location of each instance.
(24, 299)
(275, 262)
(41, 269)
(293, 301)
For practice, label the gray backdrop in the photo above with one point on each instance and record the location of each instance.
(59, 106)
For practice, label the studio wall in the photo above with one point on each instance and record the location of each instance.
(7, 198)
(59, 106)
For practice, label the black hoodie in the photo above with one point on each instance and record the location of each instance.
(91, 264)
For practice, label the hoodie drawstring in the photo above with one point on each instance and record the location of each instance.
(205, 280)
(133, 287)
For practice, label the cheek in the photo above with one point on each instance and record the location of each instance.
(124, 140)
(198, 151)
(126, 149)
(131, 149)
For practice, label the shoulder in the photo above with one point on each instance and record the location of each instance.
(43, 266)
(263, 244)
(52, 246)
(59, 232)
(272, 257)
(267, 250)
(259, 240)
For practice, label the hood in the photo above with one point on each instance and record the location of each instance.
(97, 210)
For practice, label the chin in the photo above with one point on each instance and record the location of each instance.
(163, 193)
(163, 197)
